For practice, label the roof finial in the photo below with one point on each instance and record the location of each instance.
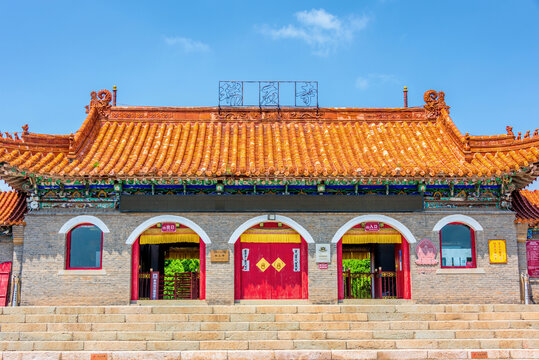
(114, 89)
(405, 96)
(101, 101)
(434, 103)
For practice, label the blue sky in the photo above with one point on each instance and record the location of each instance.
(483, 54)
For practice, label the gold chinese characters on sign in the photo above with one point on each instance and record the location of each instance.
(219, 256)
(497, 251)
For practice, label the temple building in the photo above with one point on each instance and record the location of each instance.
(526, 206)
(237, 203)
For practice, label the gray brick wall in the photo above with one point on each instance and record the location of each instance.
(44, 258)
(6, 248)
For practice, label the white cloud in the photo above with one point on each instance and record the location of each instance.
(322, 31)
(188, 45)
(364, 82)
(4, 186)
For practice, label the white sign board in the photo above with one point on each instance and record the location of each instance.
(323, 253)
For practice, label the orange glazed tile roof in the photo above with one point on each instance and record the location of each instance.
(211, 142)
(12, 208)
(526, 205)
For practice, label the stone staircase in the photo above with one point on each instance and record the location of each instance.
(347, 331)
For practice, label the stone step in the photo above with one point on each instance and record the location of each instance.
(453, 325)
(141, 335)
(273, 309)
(245, 344)
(266, 317)
(430, 354)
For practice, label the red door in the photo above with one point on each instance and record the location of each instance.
(5, 272)
(271, 270)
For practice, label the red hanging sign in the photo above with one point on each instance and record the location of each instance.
(532, 252)
(372, 226)
(322, 266)
(168, 227)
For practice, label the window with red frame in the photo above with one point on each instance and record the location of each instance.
(457, 246)
(84, 247)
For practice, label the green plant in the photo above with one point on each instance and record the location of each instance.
(173, 267)
(361, 285)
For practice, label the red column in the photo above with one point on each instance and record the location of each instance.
(407, 288)
(202, 259)
(304, 256)
(134, 270)
(340, 284)
(237, 270)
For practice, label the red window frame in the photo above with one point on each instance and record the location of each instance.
(68, 250)
(472, 233)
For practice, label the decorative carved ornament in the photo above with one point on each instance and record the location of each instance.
(426, 253)
(101, 102)
(434, 103)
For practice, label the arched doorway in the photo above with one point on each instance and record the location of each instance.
(271, 262)
(373, 260)
(168, 259)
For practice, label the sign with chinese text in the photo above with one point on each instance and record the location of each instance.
(295, 260)
(154, 285)
(532, 253)
(323, 266)
(168, 227)
(497, 251)
(372, 226)
(219, 256)
(323, 253)
(98, 357)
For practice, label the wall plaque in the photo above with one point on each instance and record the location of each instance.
(532, 254)
(99, 357)
(372, 226)
(497, 251)
(323, 253)
(219, 256)
(426, 253)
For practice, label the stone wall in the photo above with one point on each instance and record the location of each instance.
(44, 280)
(6, 248)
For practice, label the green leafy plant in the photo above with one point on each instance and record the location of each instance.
(176, 266)
(361, 285)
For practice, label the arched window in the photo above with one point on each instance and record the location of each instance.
(457, 246)
(84, 247)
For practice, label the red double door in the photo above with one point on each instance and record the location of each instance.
(271, 270)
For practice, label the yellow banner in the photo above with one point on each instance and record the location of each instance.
(273, 235)
(372, 239)
(168, 239)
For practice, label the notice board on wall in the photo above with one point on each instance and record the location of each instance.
(497, 251)
(532, 254)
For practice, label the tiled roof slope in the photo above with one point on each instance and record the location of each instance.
(12, 208)
(526, 205)
(210, 142)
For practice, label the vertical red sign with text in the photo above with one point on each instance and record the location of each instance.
(532, 253)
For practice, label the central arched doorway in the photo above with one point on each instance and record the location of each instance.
(373, 259)
(168, 260)
(271, 263)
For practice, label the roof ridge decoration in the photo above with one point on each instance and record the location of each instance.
(101, 102)
(434, 103)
